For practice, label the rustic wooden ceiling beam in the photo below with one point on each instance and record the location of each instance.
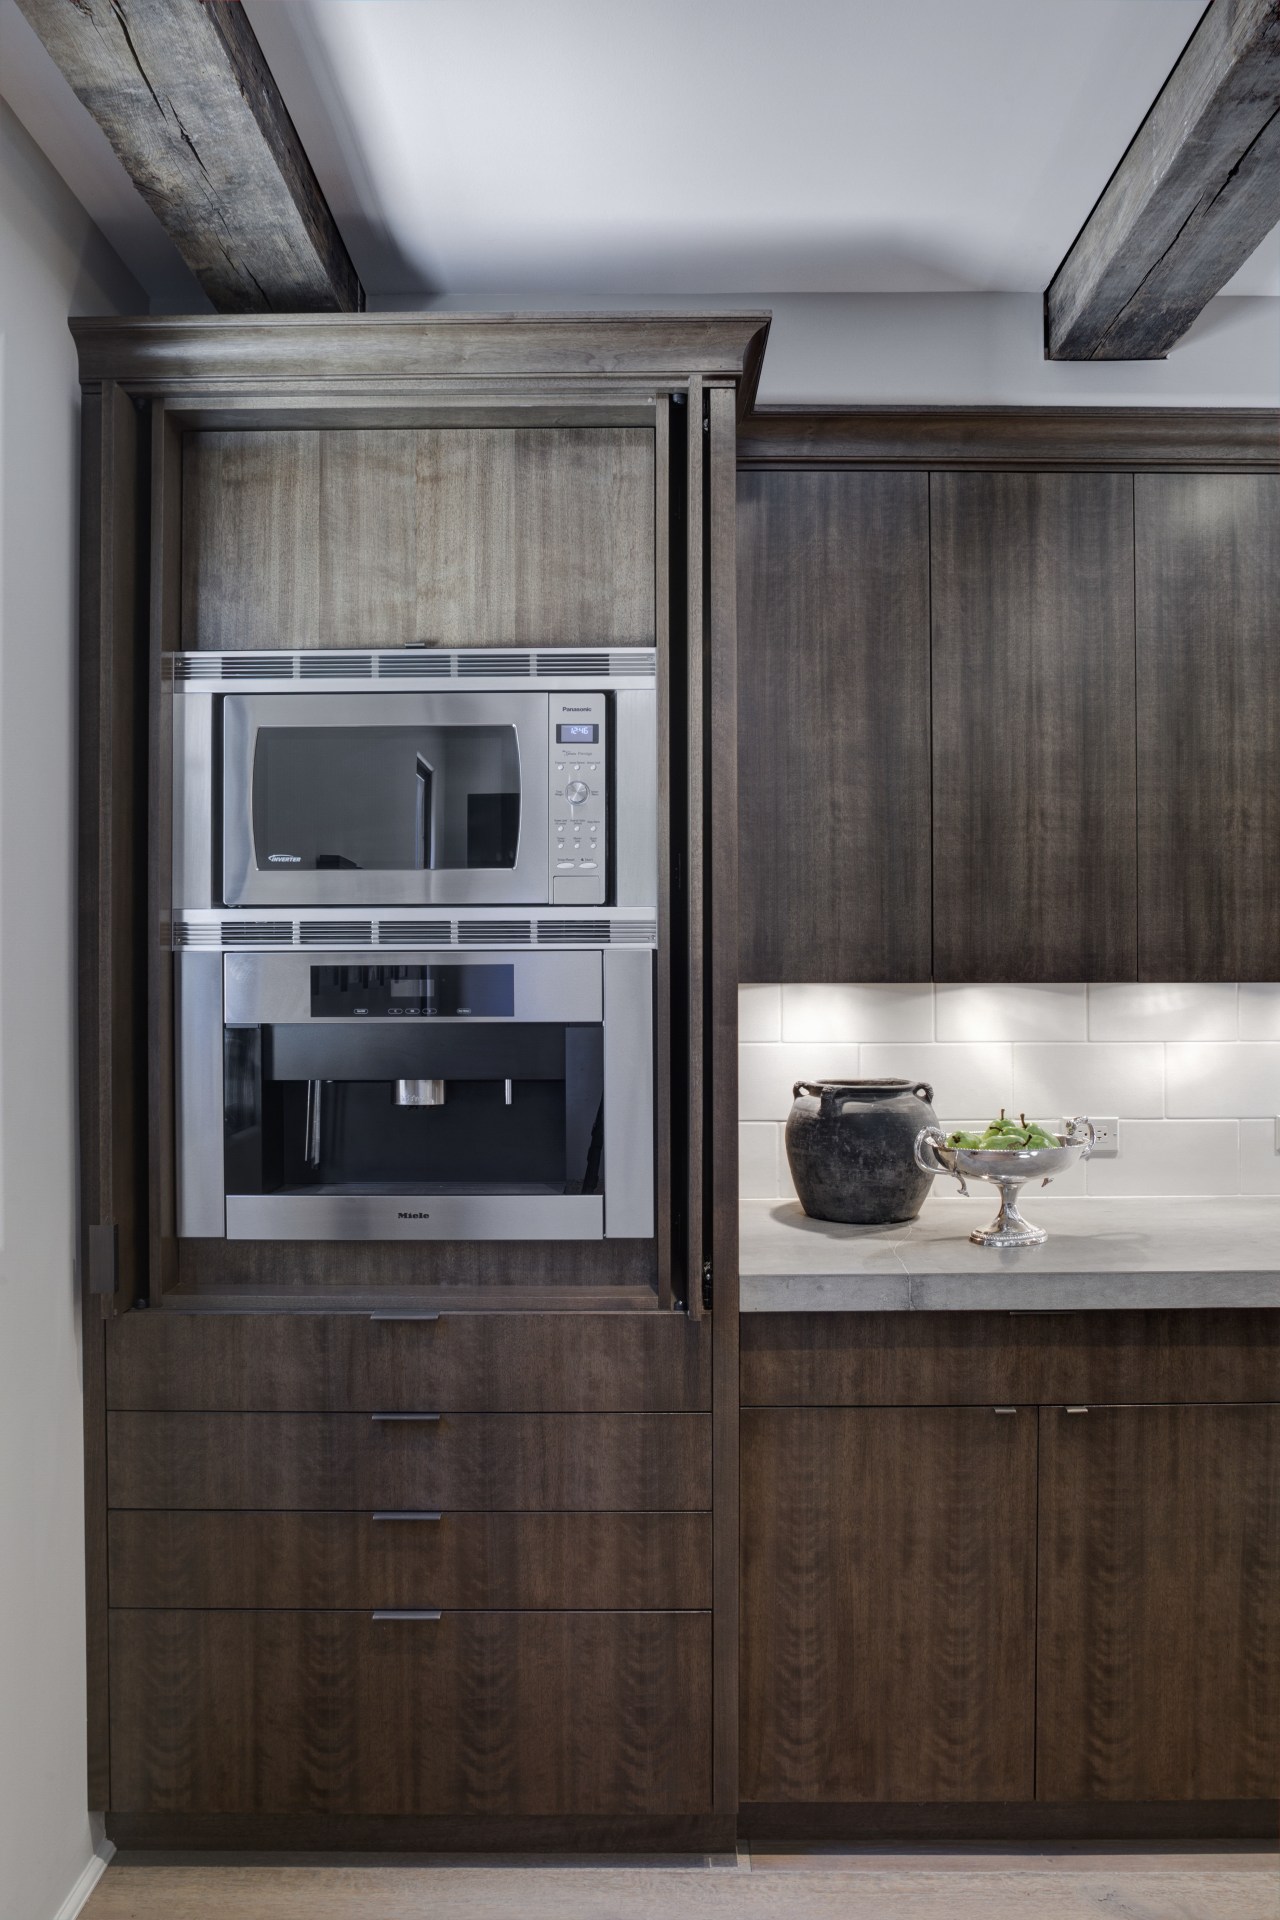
(184, 94)
(1197, 190)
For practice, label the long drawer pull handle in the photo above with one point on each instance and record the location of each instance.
(434, 1615)
(404, 1416)
(396, 1319)
(404, 1516)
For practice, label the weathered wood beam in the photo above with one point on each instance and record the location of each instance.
(1197, 190)
(183, 93)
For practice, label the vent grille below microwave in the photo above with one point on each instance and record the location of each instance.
(335, 933)
(415, 933)
(494, 933)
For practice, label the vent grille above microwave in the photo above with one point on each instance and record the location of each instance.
(416, 663)
(490, 664)
(335, 666)
(234, 666)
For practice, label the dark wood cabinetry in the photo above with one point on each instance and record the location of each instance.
(1033, 722)
(1071, 1607)
(1101, 729)
(888, 1603)
(472, 1713)
(1158, 1668)
(833, 742)
(1208, 612)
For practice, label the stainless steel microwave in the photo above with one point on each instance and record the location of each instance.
(423, 776)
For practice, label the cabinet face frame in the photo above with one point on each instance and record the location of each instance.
(182, 377)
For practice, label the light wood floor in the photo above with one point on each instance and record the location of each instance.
(1232, 1884)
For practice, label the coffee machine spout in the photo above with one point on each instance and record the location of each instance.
(419, 1093)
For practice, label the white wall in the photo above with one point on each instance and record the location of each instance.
(1192, 1072)
(951, 349)
(53, 262)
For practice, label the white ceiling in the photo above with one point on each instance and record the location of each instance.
(712, 146)
(651, 149)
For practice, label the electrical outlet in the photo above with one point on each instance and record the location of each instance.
(1106, 1135)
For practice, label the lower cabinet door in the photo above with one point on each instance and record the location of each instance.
(888, 1594)
(1159, 1641)
(490, 1713)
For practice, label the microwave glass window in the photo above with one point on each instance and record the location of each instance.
(385, 799)
(577, 733)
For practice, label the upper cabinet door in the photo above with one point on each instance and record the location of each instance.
(1208, 610)
(833, 726)
(453, 537)
(1033, 726)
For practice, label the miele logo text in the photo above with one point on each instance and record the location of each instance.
(285, 859)
(413, 1216)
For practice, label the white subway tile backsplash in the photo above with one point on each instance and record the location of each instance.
(965, 1079)
(1010, 1011)
(1066, 1080)
(759, 1013)
(1126, 1010)
(1170, 1156)
(857, 1013)
(1210, 1078)
(1259, 1010)
(758, 1142)
(1193, 1070)
(766, 1075)
(1259, 1161)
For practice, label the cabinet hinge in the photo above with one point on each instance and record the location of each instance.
(104, 1258)
(706, 1286)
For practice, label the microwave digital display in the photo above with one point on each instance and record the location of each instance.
(577, 733)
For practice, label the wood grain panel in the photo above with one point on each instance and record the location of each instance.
(254, 1273)
(502, 1362)
(908, 1359)
(251, 550)
(613, 1561)
(833, 728)
(624, 1461)
(1033, 727)
(1159, 1610)
(502, 1713)
(1208, 608)
(367, 540)
(888, 1604)
(535, 537)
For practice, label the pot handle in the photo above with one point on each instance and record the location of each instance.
(926, 1140)
(825, 1096)
(1081, 1124)
(923, 1091)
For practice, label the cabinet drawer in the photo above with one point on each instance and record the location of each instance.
(976, 1359)
(493, 1713)
(340, 1362)
(625, 1462)
(611, 1561)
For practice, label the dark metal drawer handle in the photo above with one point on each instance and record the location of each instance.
(404, 1416)
(404, 1516)
(399, 1319)
(435, 1615)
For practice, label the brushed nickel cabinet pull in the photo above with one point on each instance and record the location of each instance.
(1077, 1409)
(404, 1416)
(1004, 1409)
(395, 1319)
(404, 1516)
(404, 1614)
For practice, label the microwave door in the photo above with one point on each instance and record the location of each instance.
(345, 799)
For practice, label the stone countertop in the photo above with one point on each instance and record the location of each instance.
(1220, 1252)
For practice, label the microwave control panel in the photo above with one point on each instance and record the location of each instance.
(579, 842)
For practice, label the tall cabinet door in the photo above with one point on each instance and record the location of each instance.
(1159, 1607)
(1033, 726)
(1208, 610)
(888, 1594)
(833, 726)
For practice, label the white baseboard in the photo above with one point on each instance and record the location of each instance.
(86, 1882)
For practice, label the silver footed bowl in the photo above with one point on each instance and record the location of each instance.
(1009, 1169)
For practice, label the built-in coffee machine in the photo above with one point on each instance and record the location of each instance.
(352, 1067)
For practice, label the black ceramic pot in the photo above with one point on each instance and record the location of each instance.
(851, 1145)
